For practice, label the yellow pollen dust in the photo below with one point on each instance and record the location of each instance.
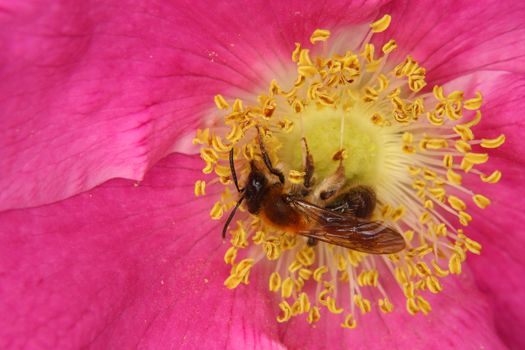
(365, 125)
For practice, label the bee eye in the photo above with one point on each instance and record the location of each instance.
(257, 184)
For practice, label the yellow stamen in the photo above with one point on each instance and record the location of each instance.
(481, 201)
(389, 47)
(476, 158)
(453, 177)
(493, 143)
(464, 131)
(231, 254)
(202, 137)
(456, 203)
(474, 103)
(200, 188)
(217, 211)
(239, 273)
(381, 24)
(314, 315)
(287, 288)
(320, 35)
(296, 52)
(492, 178)
(220, 102)
(286, 312)
(319, 272)
(349, 322)
(423, 305)
(332, 307)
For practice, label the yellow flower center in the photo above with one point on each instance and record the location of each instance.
(362, 142)
(361, 114)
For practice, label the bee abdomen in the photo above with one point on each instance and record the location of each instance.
(360, 201)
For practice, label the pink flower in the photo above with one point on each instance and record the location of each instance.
(97, 91)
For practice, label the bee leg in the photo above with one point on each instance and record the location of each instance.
(308, 163)
(330, 186)
(266, 158)
(311, 242)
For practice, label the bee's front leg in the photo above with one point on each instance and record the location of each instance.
(308, 166)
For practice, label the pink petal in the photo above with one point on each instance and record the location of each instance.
(126, 266)
(499, 269)
(70, 281)
(96, 91)
(454, 38)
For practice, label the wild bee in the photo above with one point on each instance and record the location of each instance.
(325, 212)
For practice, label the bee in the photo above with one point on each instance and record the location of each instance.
(328, 212)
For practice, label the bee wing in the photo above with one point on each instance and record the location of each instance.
(344, 230)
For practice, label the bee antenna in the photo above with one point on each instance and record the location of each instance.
(234, 174)
(230, 218)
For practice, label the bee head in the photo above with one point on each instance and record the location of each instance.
(255, 189)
